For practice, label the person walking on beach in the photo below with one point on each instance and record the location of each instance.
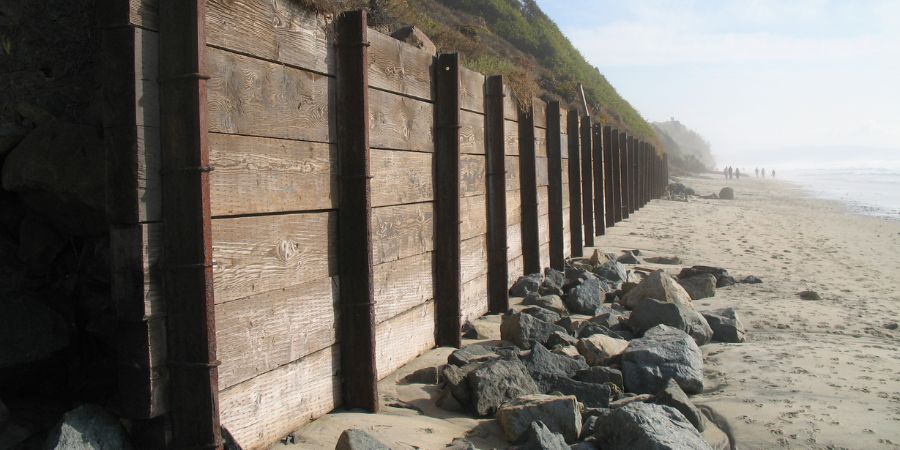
(773, 173)
(725, 172)
(757, 172)
(764, 172)
(737, 173)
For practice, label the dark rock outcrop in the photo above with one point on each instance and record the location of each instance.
(524, 330)
(699, 286)
(726, 325)
(644, 426)
(663, 353)
(650, 312)
(497, 382)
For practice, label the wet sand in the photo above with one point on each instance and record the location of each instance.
(813, 374)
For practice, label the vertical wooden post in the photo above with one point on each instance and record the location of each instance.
(631, 173)
(641, 178)
(554, 189)
(531, 251)
(626, 176)
(599, 211)
(617, 174)
(575, 184)
(498, 270)
(357, 316)
(587, 188)
(447, 277)
(608, 176)
(190, 323)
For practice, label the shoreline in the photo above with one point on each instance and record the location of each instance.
(812, 374)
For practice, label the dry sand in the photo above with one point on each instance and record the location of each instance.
(813, 374)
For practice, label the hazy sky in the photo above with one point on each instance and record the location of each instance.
(759, 79)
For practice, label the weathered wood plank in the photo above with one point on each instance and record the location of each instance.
(545, 254)
(272, 30)
(473, 257)
(149, 187)
(540, 141)
(402, 338)
(259, 175)
(262, 332)
(399, 67)
(400, 177)
(252, 255)
(513, 241)
(471, 90)
(510, 137)
(539, 111)
(144, 13)
(472, 180)
(513, 177)
(254, 97)
(402, 231)
(400, 123)
(543, 201)
(474, 298)
(472, 216)
(402, 285)
(563, 117)
(541, 171)
(516, 268)
(266, 408)
(146, 83)
(471, 133)
(510, 104)
(513, 207)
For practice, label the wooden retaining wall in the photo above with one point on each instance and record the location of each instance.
(274, 194)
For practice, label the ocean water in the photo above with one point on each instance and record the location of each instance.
(871, 188)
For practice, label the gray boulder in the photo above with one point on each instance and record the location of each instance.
(751, 279)
(608, 316)
(598, 349)
(663, 353)
(354, 439)
(659, 285)
(613, 272)
(726, 325)
(497, 382)
(558, 338)
(554, 280)
(559, 413)
(591, 394)
(524, 330)
(470, 354)
(457, 382)
(726, 193)
(526, 285)
(586, 297)
(552, 302)
(629, 257)
(669, 260)
(673, 396)
(30, 332)
(591, 328)
(541, 313)
(699, 286)
(601, 375)
(539, 437)
(87, 427)
(651, 312)
(544, 361)
(645, 426)
(722, 277)
(58, 170)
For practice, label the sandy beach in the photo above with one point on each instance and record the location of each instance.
(812, 374)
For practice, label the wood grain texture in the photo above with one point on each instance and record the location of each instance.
(542, 177)
(513, 207)
(513, 241)
(543, 201)
(473, 257)
(403, 338)
(564, 144)
(471, 133)
(149, 175)
(400, 123)
(280, 31)
(472, 216)
(399, 67)
(260, 333)
(400, 177)
(472, 180)
(513, 177)
(516, 269)
(258, 175)
(567, 236)
(253, 97)
(545, 254)
(144, 13)
(252, 255)
(510, 137)
(471, 90)
(401, 231)
(540, 141)
(146, 83)
(510, 104)
(539, 111)
(402, 285)
(266, 408)
(474, 298)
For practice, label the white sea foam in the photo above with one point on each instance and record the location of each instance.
(871, 188)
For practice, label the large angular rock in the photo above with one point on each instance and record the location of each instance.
(497, 382)
(559, 338)
(663, 353)
(629, 257)
(539, 437)
(87, 427)
(554, 280)
(650, 312)
(726, 193)
(354, 439)
(592, 328)
(559, 413)
(659, 285)
(591, 394)
(470, 354)
(699, 286)
(524, 330)
(645, 426)
(544, 361)
(59, 172)
(608, 316)
(526, 285)
(457, 382)
(541, 313)
(673, 396)
(551, 302)
(722, 277)
(601, 375)
(586, 297)
(726, 325)
(30, 331)
(598, 349)
(613, 272)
